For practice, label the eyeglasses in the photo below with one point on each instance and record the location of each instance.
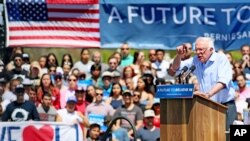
(201, 50)
(72, 80)
(101, 94)
(124, 48)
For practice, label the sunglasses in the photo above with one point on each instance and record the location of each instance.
(72, 80)
(124, 48)
(137, 96)
(101, 94)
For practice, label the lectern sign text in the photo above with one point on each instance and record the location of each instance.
(175, 91)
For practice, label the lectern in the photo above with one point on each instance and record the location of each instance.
(192, 119)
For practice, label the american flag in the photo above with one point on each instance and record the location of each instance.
(53, 23)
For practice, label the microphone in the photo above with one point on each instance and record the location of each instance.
(191, 69)
(183, 70)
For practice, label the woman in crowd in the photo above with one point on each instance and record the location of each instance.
(67, 59)
(146, 98)
(115, 98)
(47, 86)
(52, 60)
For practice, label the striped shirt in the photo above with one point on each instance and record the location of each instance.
(216, 69)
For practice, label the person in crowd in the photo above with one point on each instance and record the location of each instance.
(115, 98)
(66, 72)
(96, 74)
(99, 107)
(118, 79)
(35, 73)
(113, 65)
(152, 55)
(42, 62)
(16, 50)
(67, 59)
(59, 82)
(47, 86)
(26, 62)
(160, 65)
(137, 100)
(187, 54)
(52, 60)
(149, 132)
(3, 103)
(147, 97)
(96, 58)
(33, 95)
(20, 110)
(156, 108)
(130, 111)
(118, 57)
(90, 94)
(107, 83)
(10, 94)
(69, 91)
(149, 82)
(138, 60)
(118, 133)
(85, 64)
(244, 90)
(80, 94)
(130, 84)
(214, 74)
(17, 71)
(75, 71)
(127, 59)
(46, 111)
(128, 72)
(94, 132)
(245, 49)
(69, 115)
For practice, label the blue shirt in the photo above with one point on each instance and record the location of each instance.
(216, 69)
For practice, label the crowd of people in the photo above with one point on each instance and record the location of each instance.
(80, 90)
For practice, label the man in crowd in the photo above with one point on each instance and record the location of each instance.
(46, 111)
(20, 110)
(149, 132)
(127, 59)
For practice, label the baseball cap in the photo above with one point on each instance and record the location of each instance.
(72, 99)
(2, 80)
(19, 88)
(127, 93)
(107, 73)
(25, 55)
(149, 113)
(116, 74)
(80, 88)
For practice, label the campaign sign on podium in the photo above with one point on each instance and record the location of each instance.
(175, 91)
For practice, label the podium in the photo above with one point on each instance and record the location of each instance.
(192, 119)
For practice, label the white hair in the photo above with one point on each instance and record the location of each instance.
(208, 40)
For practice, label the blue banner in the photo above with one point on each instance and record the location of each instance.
(175, 91)
(167, 24)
